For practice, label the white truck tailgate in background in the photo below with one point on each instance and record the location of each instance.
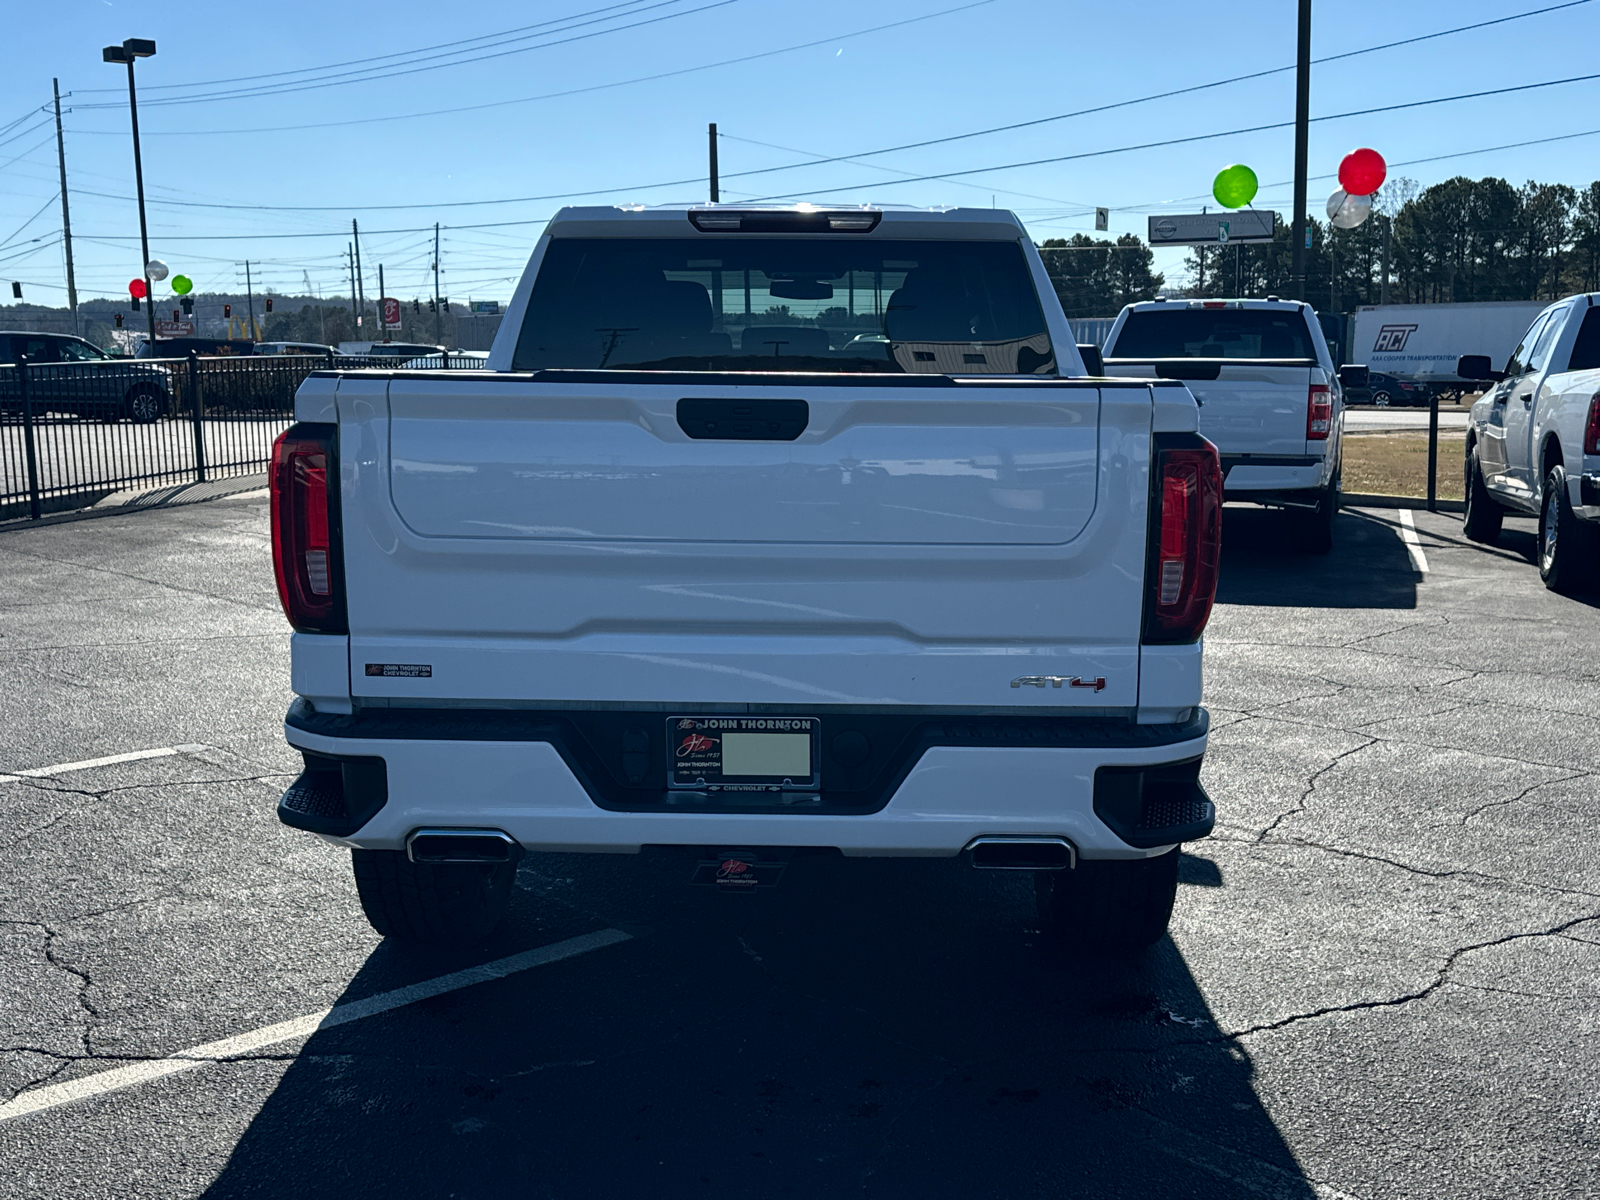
(1249, 408)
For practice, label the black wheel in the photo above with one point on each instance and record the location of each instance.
(144, 405)
(429, 904)
(1313, 527)
(1566, 545)
(1113, 908)
(1484, 517)
(1381, 399)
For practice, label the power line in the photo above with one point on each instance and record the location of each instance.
(1199, 137)
(485, 37)
(598, 87)
(253, 93)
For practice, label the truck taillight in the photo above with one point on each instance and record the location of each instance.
(1319, 412)
(1591, 428)
(305, 528)
(1187, 534)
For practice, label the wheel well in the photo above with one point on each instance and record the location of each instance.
(1549, 455)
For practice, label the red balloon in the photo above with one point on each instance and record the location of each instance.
(1362, 172)
(136, 288)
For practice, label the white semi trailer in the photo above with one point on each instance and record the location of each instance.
(1423, 341)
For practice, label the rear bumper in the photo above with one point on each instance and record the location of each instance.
(1250, 477)
(510, 772)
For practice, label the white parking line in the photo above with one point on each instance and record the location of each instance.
(108, 761)
(118, 1078)
(1408, 534)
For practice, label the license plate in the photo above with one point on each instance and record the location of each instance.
(743, 754)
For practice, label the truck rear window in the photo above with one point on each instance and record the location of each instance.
(1213, 333)
(785, 304)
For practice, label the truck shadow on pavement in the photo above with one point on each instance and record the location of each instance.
(1263, 564)
(888, 1027)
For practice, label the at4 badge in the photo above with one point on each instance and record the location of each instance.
(743, 754)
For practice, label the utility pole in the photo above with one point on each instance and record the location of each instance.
(716, 192)
(1302, 129)
(1388, 231)
(250, 300)
(361, 291)
(350, 254)
(382, 328)
(438, 308)
(66, 217)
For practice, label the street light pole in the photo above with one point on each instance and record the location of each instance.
(135, 48)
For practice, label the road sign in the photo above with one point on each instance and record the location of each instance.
(486, 306)
(391, 312)
(1206, 229)
(1102, 219)
(1222, 233)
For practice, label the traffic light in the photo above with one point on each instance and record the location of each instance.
(416, 306)
(16, 290)
(175, 315)
(446, 303)
(117, 318)
(269, 303)
(433, 305)
(188, 305)
(227, 312)
(135, 300)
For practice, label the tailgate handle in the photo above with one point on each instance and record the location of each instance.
(743, 420)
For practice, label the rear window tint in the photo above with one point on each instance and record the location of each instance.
(1586, 350)
(1214, 333)
(834, 304)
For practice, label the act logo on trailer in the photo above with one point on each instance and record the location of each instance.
(1392, 338)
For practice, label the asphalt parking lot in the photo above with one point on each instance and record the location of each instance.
(1381, 979)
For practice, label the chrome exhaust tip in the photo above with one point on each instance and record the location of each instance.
(1001, 852)
(462, 846)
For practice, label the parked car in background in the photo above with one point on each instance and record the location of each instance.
(205, 347)
(278, 348)
(1388, 391)
(1533, 441)
(1269, 395)
(455, 360)
(69, 375)
(387, 349)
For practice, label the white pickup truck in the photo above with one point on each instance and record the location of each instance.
(763, 531)
(1269, 394)
(1533, 441)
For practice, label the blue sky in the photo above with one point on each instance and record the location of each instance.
(937, 73)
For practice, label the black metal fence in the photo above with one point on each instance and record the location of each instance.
(72, 433)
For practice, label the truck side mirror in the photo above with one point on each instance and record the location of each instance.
(1093, 364)
(1353, 377)
(1477, 366)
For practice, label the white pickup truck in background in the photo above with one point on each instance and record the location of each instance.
(764, 531)
(1533, 441)
(1269, 394)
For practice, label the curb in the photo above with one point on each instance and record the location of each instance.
(131, 500)
(1365, 500)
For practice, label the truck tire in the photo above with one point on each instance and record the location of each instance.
(1313, 528)
(1484, 516)
(1567, 546)
(431, 904)
(1109, 908)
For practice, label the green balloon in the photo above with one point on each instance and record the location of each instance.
(1235, 186)
(182, 284)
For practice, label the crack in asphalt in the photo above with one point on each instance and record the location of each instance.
(1441, 977)
(97, 796)
(158, 583)
(1311, 786)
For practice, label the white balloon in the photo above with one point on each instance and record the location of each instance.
(1347, 211)
(156, 269)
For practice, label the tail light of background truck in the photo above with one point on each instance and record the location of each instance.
(1591, 427)
(305, 528)
(1319, 412)
(1186, 540)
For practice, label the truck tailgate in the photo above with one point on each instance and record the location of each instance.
(514, 538)
(1246, 408)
